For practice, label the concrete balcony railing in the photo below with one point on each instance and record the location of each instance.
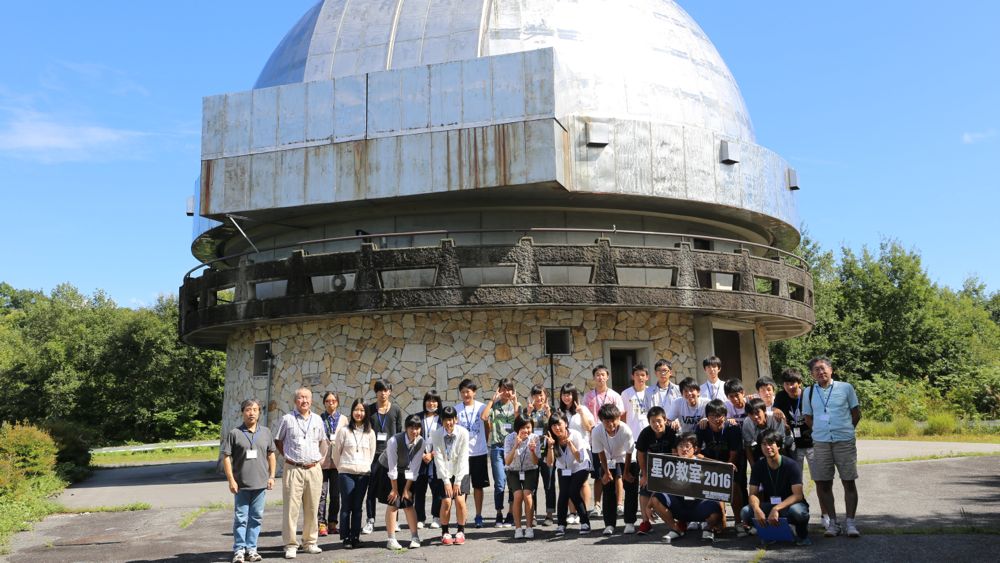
(754, 283)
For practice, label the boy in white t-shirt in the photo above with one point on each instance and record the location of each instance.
(714, 387)
(664, 391)
(470, 417)
(637, 400)
(594, 399)
(613, 444)
(687, 411)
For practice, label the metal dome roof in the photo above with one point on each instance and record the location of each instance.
(636, 58)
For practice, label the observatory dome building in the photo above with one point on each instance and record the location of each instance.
(427, 190)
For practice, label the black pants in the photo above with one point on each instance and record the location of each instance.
(420, 498)
(378, 472)
(570, 488)
(331, 492)
(609, 495)
(548, 481)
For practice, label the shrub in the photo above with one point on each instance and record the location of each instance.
(977, 396)
(30, 449)
(198, 430)
(11, 478)
(885, 397)
(73, 440)
(940, 423)
(869, 428)
(903, 426)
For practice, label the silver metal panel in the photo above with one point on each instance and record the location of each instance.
(263, 169)
(411, 24)
(668, 175)
(539, 83)
(264, 119)
(383, 167)
(415, 92)
(699, 164)
(435, 50)
(319, 110)
(539, 150)
(633, 160)
(439, 18)
(351, 182)
(321, 174)
(291, 113)
(508, 87)
(414, 164)
(319, 67)
(237, 176)
(349, 114)
(406, 54)
(236, 137)
(476, 89)
(384, 112)
(290, 186)
(730, 180)
(446, 94)
(213, 121)
(463, 45)
(217, 188)
(372, 59)
(345, 62)
(516, 152)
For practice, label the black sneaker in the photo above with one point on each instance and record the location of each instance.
(510, 520)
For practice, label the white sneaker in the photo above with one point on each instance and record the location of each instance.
(560, 530)
(629, 529)
(414, 542)
(852, 529)
(671, 536)
(420, 525)
(529, 534)
(519, 534)
(312, 549)
(708, 535)
(621, 510)
(597, 509)
(831, 529)
(585, 528)
(609, 531)
(572, 519)
(290, 552)
(369, 526)
(436, 523)
(391, 543)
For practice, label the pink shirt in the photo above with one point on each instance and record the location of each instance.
(594, 401)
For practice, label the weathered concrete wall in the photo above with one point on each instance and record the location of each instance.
(418, 352)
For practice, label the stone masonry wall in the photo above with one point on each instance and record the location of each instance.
(418, 352)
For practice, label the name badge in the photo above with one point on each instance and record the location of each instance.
(472, 439)
(797, 432)
(538, 432)
(506, 427)
(567, 473)
(252, 454)
(381, 437)
(688, 498)
(775, 500)
(408, 475)
(823, 417)
(521, 476)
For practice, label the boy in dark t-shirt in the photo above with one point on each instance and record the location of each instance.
(776, 490)
(722, 441)
(789, 401)
(386, 420)
(657, 438)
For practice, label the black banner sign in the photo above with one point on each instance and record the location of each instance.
(687, 477)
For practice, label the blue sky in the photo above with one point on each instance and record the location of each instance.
(888, 110)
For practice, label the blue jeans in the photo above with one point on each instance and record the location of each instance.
(499, 475)
(797, 514)
(248, 511)
(352, 500)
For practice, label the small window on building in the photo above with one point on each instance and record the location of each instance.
(557, 342)
(262, 359)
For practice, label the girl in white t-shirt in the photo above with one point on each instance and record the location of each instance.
(578, 418)
(521, 448)
(569, 454)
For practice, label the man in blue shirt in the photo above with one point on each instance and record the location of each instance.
(832, 410)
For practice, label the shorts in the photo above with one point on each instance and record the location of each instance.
(437, 486)
(688, 510)
(479, 471)
(827, 455)
(385, 487)
(530, 482)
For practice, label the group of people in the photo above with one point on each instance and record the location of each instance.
(592, 449)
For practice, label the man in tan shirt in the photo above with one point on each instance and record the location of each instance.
(299, 437)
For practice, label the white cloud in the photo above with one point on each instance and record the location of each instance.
(973, 137)
(46, 138)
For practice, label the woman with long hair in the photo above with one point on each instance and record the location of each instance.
(353, 453)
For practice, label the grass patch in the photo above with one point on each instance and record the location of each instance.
(968, 438)
(759, 556)
(929, 457)
(192, 517)
(27, 505)
(163, 455)
(133, 507)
